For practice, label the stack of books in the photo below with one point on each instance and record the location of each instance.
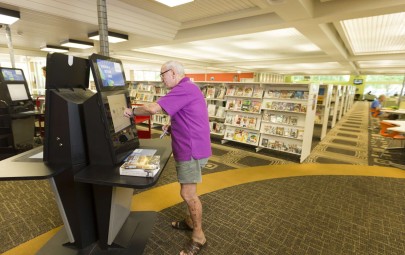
(141, 163)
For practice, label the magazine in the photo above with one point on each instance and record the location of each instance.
(142, 163)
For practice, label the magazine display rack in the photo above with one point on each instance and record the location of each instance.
(214, 94)
(288, 118)
(341, 100)
(334, 106)
(323, 108)
(144, 92)
(243, 113)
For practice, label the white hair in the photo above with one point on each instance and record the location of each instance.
(176, 66)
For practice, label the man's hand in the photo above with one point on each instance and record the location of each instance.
(128, 113)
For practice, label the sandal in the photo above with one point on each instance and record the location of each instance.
(193, 247)
(181, 225)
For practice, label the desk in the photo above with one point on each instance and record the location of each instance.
(113, 195)
(400, 127)
(399, 112)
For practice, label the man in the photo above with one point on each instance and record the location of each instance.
(376, 106)
(191, 143)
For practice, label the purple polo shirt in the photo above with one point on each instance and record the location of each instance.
(189, 121)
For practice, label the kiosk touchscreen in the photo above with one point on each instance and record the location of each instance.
(14, 91)
(111, 136)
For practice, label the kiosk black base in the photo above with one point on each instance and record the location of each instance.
(131, 239)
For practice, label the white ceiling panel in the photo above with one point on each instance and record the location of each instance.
(311, 36)
(382, 34)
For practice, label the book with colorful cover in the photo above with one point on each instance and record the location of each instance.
(141, 163)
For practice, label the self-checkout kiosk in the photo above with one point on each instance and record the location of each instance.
(16, 110)
(111, 135)
(67, 88)
(86, 140)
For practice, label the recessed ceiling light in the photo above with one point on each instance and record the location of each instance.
(113, 37)
(77, 44)
(8, 17)
(52, 48)
(172, 3)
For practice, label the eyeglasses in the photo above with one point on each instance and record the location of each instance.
(162, 73)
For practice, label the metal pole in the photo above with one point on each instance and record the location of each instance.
(10, 45)
(103, 27)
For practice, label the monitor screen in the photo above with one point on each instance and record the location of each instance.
(108, 73)
(11, 74)
(358, 81)
(17, 92)
(117, 105)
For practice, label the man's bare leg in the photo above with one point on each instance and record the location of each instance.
(189, 194)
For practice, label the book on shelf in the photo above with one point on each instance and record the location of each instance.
(229, 119)
(252, 138)
(245, 106)
(256, 105)
(266, 115)
(258, 92)
(220, 112)
(230, 91)
(230, 104)
(264, 142)
(141, 163)
(210, 92)
(252, 121)
(300, 134)
(229, 133)
(248, 91)
(239, 91)
(220, 93)
(211, 109)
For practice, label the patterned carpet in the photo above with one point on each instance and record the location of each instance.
(328, 215)
(300, 215)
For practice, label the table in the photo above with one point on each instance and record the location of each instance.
(390, 111)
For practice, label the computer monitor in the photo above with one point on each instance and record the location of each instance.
(12, 74)
(108, 72)
(14, 91)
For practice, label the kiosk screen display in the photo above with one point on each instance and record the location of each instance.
(117, 105)
(108, 73)
(111, 73)
(17, 92)
(12, 74)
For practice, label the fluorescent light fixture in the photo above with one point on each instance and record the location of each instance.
(172, 3)
(52, 48)
(112, 37)
(8, 16)
(77, 44)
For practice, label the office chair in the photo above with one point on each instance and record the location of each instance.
(392, 135)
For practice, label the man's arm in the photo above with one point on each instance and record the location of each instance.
(144, 110)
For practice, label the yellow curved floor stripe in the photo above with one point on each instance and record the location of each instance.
(168, 195)
(165, 196)
(32, 246)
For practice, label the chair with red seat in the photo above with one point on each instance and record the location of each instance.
(392, 135)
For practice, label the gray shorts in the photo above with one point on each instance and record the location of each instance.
(190, 171)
